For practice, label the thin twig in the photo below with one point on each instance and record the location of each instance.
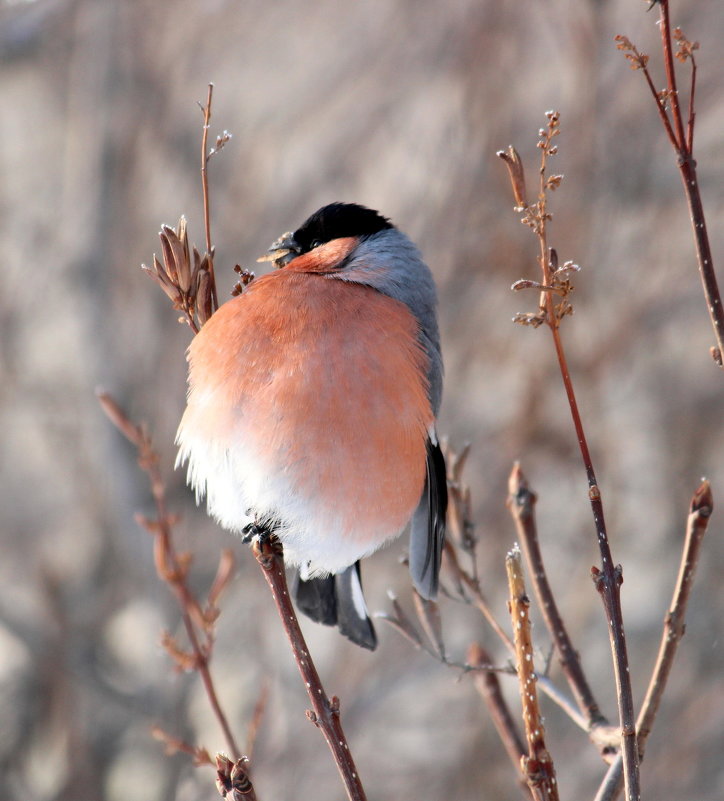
(537, 766)
(470, 584)
(488, 686)
(476, 594)
(609, 578)
(673, 92)
(172, 567)
(252, 731)
(683, 147)
(702, 504)
(687, 168)
(205, 192)
(325, 716)
(521, 502)
(692, 113)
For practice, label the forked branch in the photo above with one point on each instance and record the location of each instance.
(682, 141)
(521, 502)
(555, 289)
(702, 505)
(172, 568)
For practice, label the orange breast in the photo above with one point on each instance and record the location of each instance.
(324, 382)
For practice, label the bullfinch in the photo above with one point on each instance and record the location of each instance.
(311, 410)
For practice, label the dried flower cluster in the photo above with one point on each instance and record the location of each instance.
(556, 280)
(188, 284)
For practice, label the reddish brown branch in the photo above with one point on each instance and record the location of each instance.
(673, 92)
(683, 147)
(702, 504)
(468, 587)
(687, 168)
(173, 567)
(608, 579)
(692, 113)
(325, 714)
(537, 766)
(488, 685)
(205, 193)
(521, 501)
(476, 594)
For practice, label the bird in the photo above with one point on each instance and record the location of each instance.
(311, 410)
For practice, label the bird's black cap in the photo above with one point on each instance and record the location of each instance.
(337, 220)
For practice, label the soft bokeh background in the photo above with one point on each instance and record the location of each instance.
(399, 105)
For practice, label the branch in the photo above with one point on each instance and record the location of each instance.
(268, 553)
(608, 580)
(682, 144)
(521, 501)
(173, 568)
(702, 504)
(537, 766)
(476, 594)
(205, 156)
(488, 686)
(468, 585)
(673, 92)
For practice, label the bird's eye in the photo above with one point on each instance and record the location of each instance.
(315, 244)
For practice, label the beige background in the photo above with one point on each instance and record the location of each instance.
(399, 105)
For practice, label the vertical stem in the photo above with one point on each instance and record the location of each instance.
(687, 168)
(326, 711)
(205, 193)
(537, 765)
(608, 582)
(609, 579)
(521, 500)
(671, 74)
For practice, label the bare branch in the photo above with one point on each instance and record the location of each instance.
(609, 578)
(172, 567)
(683, 147)
(702, 504)
(521, 501)
(269, 555)
(488, 686)
(538, 766)
(205, 191)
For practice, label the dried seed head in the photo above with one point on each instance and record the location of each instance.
(524, 283)
(514, 164)
(203, 295)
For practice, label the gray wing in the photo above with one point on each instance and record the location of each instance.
(427, 532)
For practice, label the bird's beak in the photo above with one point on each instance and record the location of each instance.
(282, 250)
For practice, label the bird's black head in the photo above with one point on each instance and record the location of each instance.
(338, 220)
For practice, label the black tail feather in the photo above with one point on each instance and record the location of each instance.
(316, 598)
(337, 600)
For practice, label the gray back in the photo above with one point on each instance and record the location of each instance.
(389, 262)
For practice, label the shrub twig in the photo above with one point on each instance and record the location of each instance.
(205, 156)
(325, 711)
(521, 502)
(701, 507)
(193, 289)
(488, 685)
(537, 765)
(173, 567)
(555, 289)
(682, 142)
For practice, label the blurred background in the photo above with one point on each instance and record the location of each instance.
(401, 106)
